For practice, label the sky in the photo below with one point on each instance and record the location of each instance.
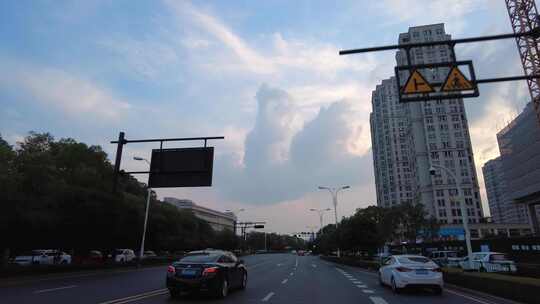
(264, 74)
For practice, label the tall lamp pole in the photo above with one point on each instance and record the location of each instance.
(462, 205)
(321, 213)
(334, 192)
(148, 195)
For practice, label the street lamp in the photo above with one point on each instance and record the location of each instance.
(148, 195)
(462, 205)
(334, 192)
(321, 213)
(235, 211)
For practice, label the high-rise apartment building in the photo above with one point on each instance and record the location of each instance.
(501, 207)
(408, 138)
(519, 143)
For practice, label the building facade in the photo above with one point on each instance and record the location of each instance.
(390, 145)
(500, 206)
(408, 138)
(519, 145)
(218, 220)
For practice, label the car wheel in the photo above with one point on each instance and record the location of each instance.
(438, 291)
(482, 269)
(63, 262)
(395, 289)
(243, 284)
(223, 290)
(174, 293)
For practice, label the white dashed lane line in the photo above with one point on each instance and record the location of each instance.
(268, 296)
(378, 300)
(55, 289)
(284, 281)
(368, 291)
(361, 286)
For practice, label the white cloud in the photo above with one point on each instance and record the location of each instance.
(417, 10)
(63, 91)
(147, 57)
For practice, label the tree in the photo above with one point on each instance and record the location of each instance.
(57, 194)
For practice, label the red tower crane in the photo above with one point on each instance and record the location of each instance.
(524, 18)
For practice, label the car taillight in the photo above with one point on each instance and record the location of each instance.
(209, 271)
(403, 269)
(171, 270)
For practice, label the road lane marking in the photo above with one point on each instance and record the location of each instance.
(314, 266)
(361, 286)
(268, 296)
(279, 264)
(368, 291)
(284, 281)
(54, 289)
(296, 263)
(88, 274)
(143, 297)
(467, 297)
(378, 300)
(136, 297)
(292, 273)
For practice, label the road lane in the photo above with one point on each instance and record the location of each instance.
(101, 287)
(413, 296)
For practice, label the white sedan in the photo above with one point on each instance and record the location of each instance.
(400, 271)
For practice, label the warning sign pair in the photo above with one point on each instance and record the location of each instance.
(455, 81)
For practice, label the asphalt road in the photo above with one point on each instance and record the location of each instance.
(273, 278)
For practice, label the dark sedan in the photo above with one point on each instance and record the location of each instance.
(209, 271)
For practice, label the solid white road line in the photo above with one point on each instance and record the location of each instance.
(467, 297)
(284, 281)
(137, 296)
(268, 296)
(54, 289)
(296, 263)
(378, 300)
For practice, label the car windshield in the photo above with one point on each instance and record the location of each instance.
(498, 257)
(200, 258)
(413, 260)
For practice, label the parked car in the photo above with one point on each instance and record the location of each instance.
(124, 255)
(42, 257)
(213, 271)
(442, 257)
(401, 271)
(301, 252)
(489, 262)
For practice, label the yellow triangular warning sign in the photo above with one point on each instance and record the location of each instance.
(417, 84)
(456, 81)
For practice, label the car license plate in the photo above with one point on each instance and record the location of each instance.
(189, 272)
(421, 271)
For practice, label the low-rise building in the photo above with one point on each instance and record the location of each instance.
(484, 230)
(218, 220)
